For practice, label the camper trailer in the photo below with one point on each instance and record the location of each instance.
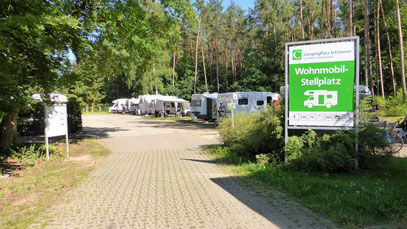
(119, 106)
(147, 104)
(203, 106)
(133, 105)
(171, 106)
(245, 101)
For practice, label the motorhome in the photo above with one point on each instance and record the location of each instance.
(171, 106)
(119, 106)
(203, 106)
(147, 104)
(245, 101)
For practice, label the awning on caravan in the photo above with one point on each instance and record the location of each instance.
(212, 97)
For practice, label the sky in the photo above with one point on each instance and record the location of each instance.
(244, 4)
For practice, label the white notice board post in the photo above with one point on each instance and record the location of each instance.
(56, 124)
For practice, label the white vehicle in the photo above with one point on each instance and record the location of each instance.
(147, 104)
(203, 106)
(245, 101)
(119, 106)
(171, 106)
(133, 105)
(320, 98)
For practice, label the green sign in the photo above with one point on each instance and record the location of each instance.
(321, 84)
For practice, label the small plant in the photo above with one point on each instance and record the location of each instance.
(29, 153)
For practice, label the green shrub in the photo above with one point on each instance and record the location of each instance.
(336, 153)
(392, 106)
(74, 111)
(256, 133)
(327, 153)
(29, 153)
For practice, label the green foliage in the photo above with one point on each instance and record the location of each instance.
(257, 133)
(366, 197)
(29, 153)
(392, 106)
(336, 153)
(331, 154)
(74, 110)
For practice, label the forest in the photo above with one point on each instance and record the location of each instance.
(100, 50)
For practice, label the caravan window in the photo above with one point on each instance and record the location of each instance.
(260, 102)
(243, 102)
(196, 103)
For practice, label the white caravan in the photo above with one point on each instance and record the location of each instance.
(147, 104)
(321, 98)
(119, 106)
(203, 106)
(171, 106)
(245, 101)
(133, 105)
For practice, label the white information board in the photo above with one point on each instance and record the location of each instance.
(56, 122)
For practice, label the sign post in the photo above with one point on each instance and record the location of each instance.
(56, 124)
(232, 106)
(322, 77)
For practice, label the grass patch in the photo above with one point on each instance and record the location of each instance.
(358, 199)
(29, 191)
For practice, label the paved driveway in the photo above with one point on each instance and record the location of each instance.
(157, 177)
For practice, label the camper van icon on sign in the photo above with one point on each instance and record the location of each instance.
(321, 98)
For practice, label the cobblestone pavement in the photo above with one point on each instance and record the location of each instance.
(157, 177)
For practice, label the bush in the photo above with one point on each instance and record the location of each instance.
(392, 106)
(336, 153)
(256, 133)
(29, 153)
(74, 110)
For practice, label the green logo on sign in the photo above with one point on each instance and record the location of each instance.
(297, 54)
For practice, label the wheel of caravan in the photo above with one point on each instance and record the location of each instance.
(328, 105)
(309, 105)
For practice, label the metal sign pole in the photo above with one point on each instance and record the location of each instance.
(47, 146)
(357, 101)
(66, 135)
(286, 104)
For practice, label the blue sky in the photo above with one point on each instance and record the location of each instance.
(244, 4)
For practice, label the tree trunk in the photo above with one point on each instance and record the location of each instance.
(403, 73)
(368, 67)
(328, 17)
(196, 53)
(302, 23)
(226, 66)
(173, 72)
(217, 60)
(322, 19)
(8, 128)
(333, 18)
(379, 54)
(389, 47)
(204, 68)
(350, 18)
